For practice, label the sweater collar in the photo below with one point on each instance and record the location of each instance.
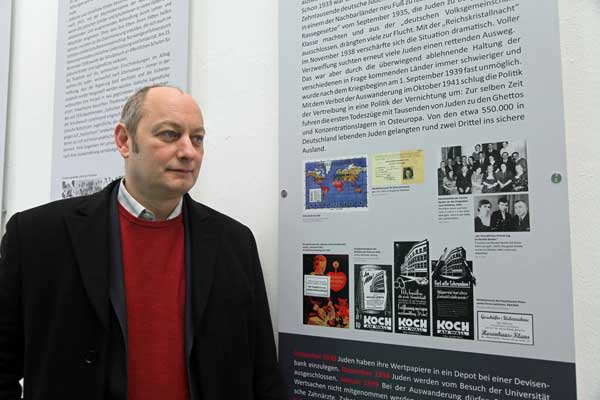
(137, 210)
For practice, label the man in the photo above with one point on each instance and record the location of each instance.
(515, 157)
(501, 218)
(475, 154)
(457, 165)
(492, 152)
(510, 165)
(463, 181)
(521, 218)
(449, 164)
(136, 292)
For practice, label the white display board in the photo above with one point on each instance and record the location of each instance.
(107, 49)
(422, 155)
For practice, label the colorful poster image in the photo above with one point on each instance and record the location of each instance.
(373, 302)
(336, 184)
(325, 290)
(453, 281)
(411, 287)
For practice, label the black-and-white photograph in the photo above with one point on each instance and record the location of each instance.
(83, 187)
(502, 213)
(497, 167)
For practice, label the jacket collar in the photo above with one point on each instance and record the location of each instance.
(88, 227)
(202, 229)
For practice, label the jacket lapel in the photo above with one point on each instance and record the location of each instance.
(203, 244)
(88, 229)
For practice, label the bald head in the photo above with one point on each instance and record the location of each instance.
(133, 110)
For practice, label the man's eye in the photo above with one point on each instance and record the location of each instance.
(170, 135)
(197, 139)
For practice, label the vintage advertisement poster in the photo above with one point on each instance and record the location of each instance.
(424, 141)
(452, 282)
(325, 293)
(99, 64)
(411, 287)
(373, 304)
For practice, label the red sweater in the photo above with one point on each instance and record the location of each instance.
(153, 267)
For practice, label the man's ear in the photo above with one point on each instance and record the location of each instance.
(122, 140)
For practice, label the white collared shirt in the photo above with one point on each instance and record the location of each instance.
(137, 210)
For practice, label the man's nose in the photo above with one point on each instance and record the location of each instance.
(185, 149)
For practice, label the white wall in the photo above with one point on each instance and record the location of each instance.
(233, 74)
(580, 40)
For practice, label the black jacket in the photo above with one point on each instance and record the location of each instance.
(62, 305)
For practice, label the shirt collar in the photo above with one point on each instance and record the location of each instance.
(137, 210)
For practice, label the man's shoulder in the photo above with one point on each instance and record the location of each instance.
(54, 211)
(201, 213)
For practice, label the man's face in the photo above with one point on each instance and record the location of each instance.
(166, 152)
(521, 209)
(485, 209)
(503, 206)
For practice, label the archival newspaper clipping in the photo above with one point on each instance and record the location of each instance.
(425, 209)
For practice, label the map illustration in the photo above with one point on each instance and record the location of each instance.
(336, 184)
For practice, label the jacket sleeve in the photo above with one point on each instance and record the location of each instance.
(267, 380)
(11, 319)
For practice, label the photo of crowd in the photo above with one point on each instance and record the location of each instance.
(483, 168)
(502, 213)
(83, 187)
